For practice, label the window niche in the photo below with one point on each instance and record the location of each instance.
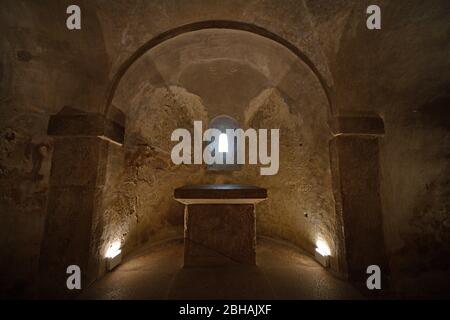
(222, 123)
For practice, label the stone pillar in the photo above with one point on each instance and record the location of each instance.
(74, 224)
(356, 183)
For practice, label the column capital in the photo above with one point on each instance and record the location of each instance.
(358, 125)
(70, 122)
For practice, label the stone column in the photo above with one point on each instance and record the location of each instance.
(356, 183)
(74, 223)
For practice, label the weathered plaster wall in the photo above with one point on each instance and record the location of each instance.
(42, 69)
(132, 28)
(402, 74)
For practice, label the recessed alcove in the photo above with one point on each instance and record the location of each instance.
(254, 80)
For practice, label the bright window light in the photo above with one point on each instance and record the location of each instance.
(223, 143)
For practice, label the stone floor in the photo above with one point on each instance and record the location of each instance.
(283, 272)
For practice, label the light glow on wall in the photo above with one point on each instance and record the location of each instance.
(113, 250)
(223, 143)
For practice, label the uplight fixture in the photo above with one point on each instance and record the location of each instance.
(322, 253)
(113, 255)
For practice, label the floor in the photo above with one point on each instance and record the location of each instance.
(283, 272)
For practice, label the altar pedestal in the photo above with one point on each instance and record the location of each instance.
(219, 223)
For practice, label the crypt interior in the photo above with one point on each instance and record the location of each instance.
(87, 115)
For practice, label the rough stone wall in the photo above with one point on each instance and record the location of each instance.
(133, 27)
(415, 155)
(144, 196)
(402, 74)
(42, 69)
(141, 199)
(261, 85)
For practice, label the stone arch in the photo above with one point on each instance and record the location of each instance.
(132, 91)
(128, 79)
(215, 24)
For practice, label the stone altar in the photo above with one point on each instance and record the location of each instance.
(219, 223)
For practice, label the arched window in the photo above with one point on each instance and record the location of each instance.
(222, 123)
